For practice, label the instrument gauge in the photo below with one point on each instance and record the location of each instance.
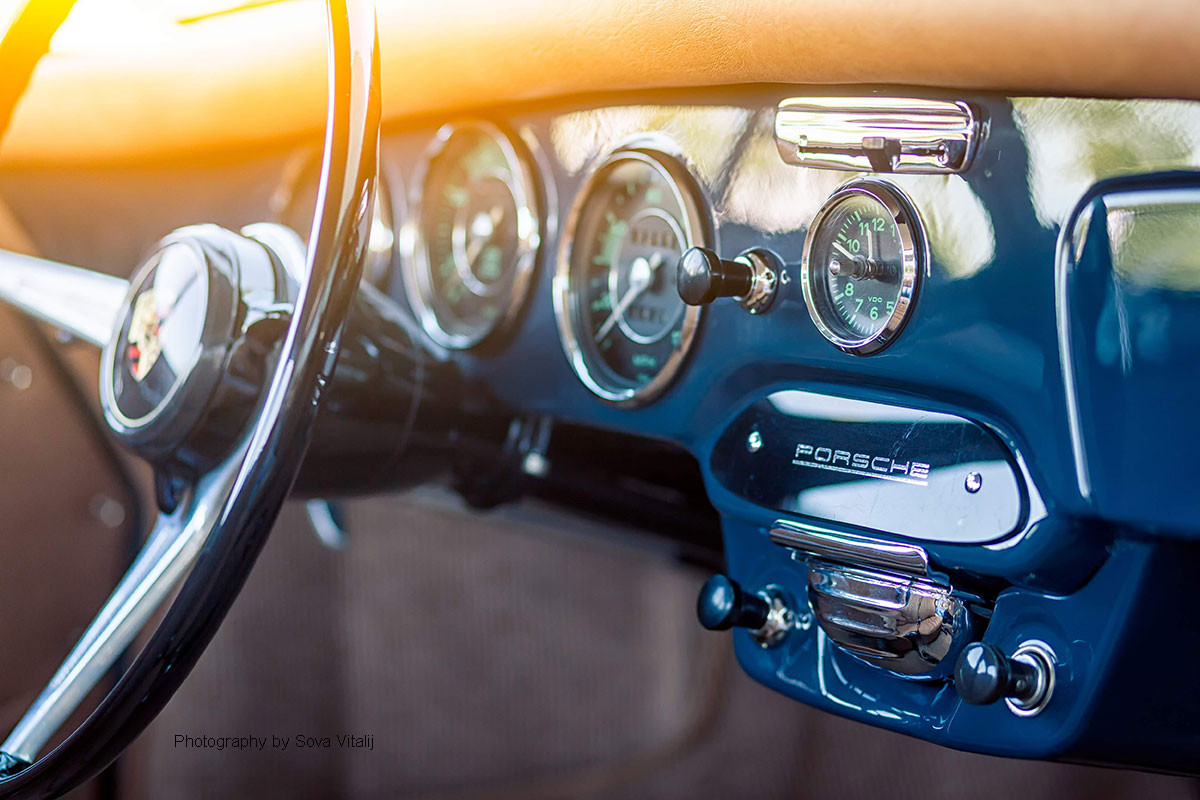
(623, 325)
(295, 198)
(862, 266)
(478, 227)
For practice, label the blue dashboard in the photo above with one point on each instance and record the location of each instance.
(1035, 415)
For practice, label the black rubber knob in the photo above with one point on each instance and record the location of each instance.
(723, 605)
(703, 276)
(984, 675)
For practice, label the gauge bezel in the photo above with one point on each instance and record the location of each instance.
(526, 188)
(305, 163)
(699, 231)
(914, 254)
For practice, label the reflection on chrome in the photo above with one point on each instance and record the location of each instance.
(707, 134)
(1073, 143)
(810, 405)
(944, 487)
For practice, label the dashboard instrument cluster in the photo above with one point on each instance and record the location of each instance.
(888, 343)
(479, 222)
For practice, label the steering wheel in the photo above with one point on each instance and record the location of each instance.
(217, 354)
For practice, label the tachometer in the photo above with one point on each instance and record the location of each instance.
(623, 325)
(478, 228)
(862, 266)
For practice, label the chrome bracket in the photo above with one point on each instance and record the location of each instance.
(876, 600)
(1040, 656)
(850, 548)
(779, 619)
(765, 268)
(877, 134)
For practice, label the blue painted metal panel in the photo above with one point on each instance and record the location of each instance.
(1090, 565)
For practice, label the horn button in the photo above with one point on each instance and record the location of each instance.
(184, 368)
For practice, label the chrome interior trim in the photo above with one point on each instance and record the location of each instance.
(415, 266)
(664, 158)
(907, 625)
(877, 134)
(1040, 656)
(1064, 263)
(850, 548)
(222, 525)
(915, 246)
(780, 618)
(168, 554)
(324, 523)
(84, 303)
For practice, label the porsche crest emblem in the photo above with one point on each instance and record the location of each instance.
(144, 345)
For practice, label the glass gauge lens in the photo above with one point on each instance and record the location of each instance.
(477, 238)
(627, 329)
(861, 267)
(296, 200)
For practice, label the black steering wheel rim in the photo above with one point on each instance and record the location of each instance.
(279, 436)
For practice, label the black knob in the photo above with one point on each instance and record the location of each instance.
(723, 605)
(703, 276)
(984, 675)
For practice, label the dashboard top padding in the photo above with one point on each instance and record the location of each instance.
(256, 76)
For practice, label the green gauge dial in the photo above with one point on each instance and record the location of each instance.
(478, 230)
(862, 264)
(624, 325)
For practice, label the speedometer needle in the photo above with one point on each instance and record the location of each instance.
(641, 273)
(483, 229)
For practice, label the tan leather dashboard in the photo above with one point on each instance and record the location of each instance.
(257, 76)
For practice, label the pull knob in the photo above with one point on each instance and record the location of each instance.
(704, 276)
(723, 605)
(984, 674)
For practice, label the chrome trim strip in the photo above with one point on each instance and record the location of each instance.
(1064, 263)
(850, 548)
(84, 303)
(877, 134)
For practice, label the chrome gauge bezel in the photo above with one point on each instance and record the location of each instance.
(531, 228)
(302, 171)
(698, 230)
(914, 254)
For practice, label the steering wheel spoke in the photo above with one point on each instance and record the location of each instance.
(170, 549)
(84, 303)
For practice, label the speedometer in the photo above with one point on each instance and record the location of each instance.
(862, 266)
(623, 325)
(478, 226)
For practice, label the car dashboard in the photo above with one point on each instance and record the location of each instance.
(915, 368)
(988, 441)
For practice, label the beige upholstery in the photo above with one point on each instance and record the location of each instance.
(259, 75)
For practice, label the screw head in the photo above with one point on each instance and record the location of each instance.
(754, 441)
(974, 482)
